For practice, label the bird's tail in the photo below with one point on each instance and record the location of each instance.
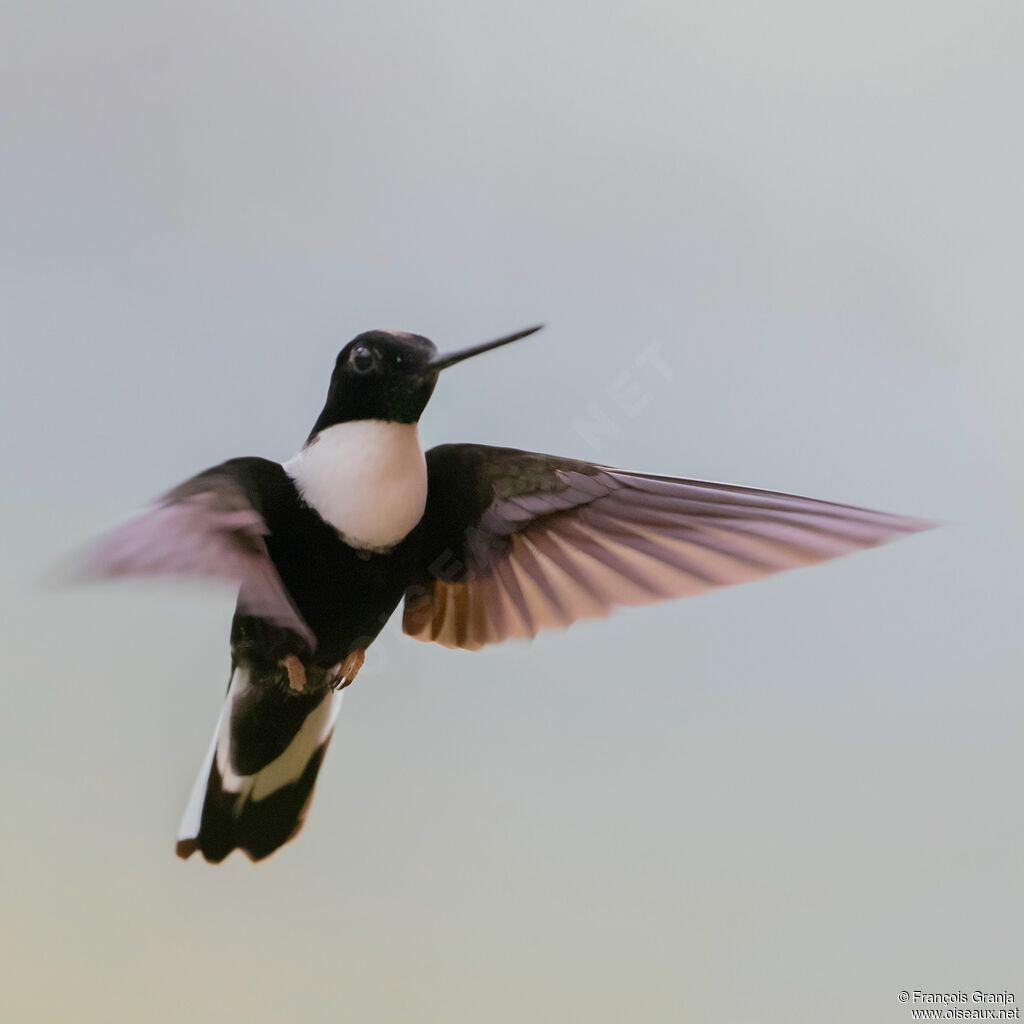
(256, 783)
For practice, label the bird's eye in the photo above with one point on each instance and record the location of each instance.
(362, 359)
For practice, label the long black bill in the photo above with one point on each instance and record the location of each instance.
(442, 362)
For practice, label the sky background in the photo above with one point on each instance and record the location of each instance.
(780, 802)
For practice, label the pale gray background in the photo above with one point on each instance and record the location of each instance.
(781, 802)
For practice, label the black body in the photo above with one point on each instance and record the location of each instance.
(345, 596)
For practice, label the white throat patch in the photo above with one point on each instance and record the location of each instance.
(367, 478)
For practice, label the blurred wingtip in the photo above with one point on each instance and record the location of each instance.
(67, 570)
(916, 525)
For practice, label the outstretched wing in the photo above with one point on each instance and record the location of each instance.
(211, 525)
(516, 542)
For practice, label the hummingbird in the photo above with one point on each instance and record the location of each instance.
(480, 544)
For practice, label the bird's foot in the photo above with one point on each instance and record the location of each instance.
(296, 672)
(348, 670)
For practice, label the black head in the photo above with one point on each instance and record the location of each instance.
(389, 375)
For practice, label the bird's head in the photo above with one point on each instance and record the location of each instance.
(390, 375)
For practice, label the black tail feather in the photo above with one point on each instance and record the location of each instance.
(253, 792)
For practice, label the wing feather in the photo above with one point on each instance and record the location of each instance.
(544, 542)
(206, 527)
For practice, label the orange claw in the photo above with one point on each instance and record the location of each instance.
(296, 672)
(352, 664)
(349, 669)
